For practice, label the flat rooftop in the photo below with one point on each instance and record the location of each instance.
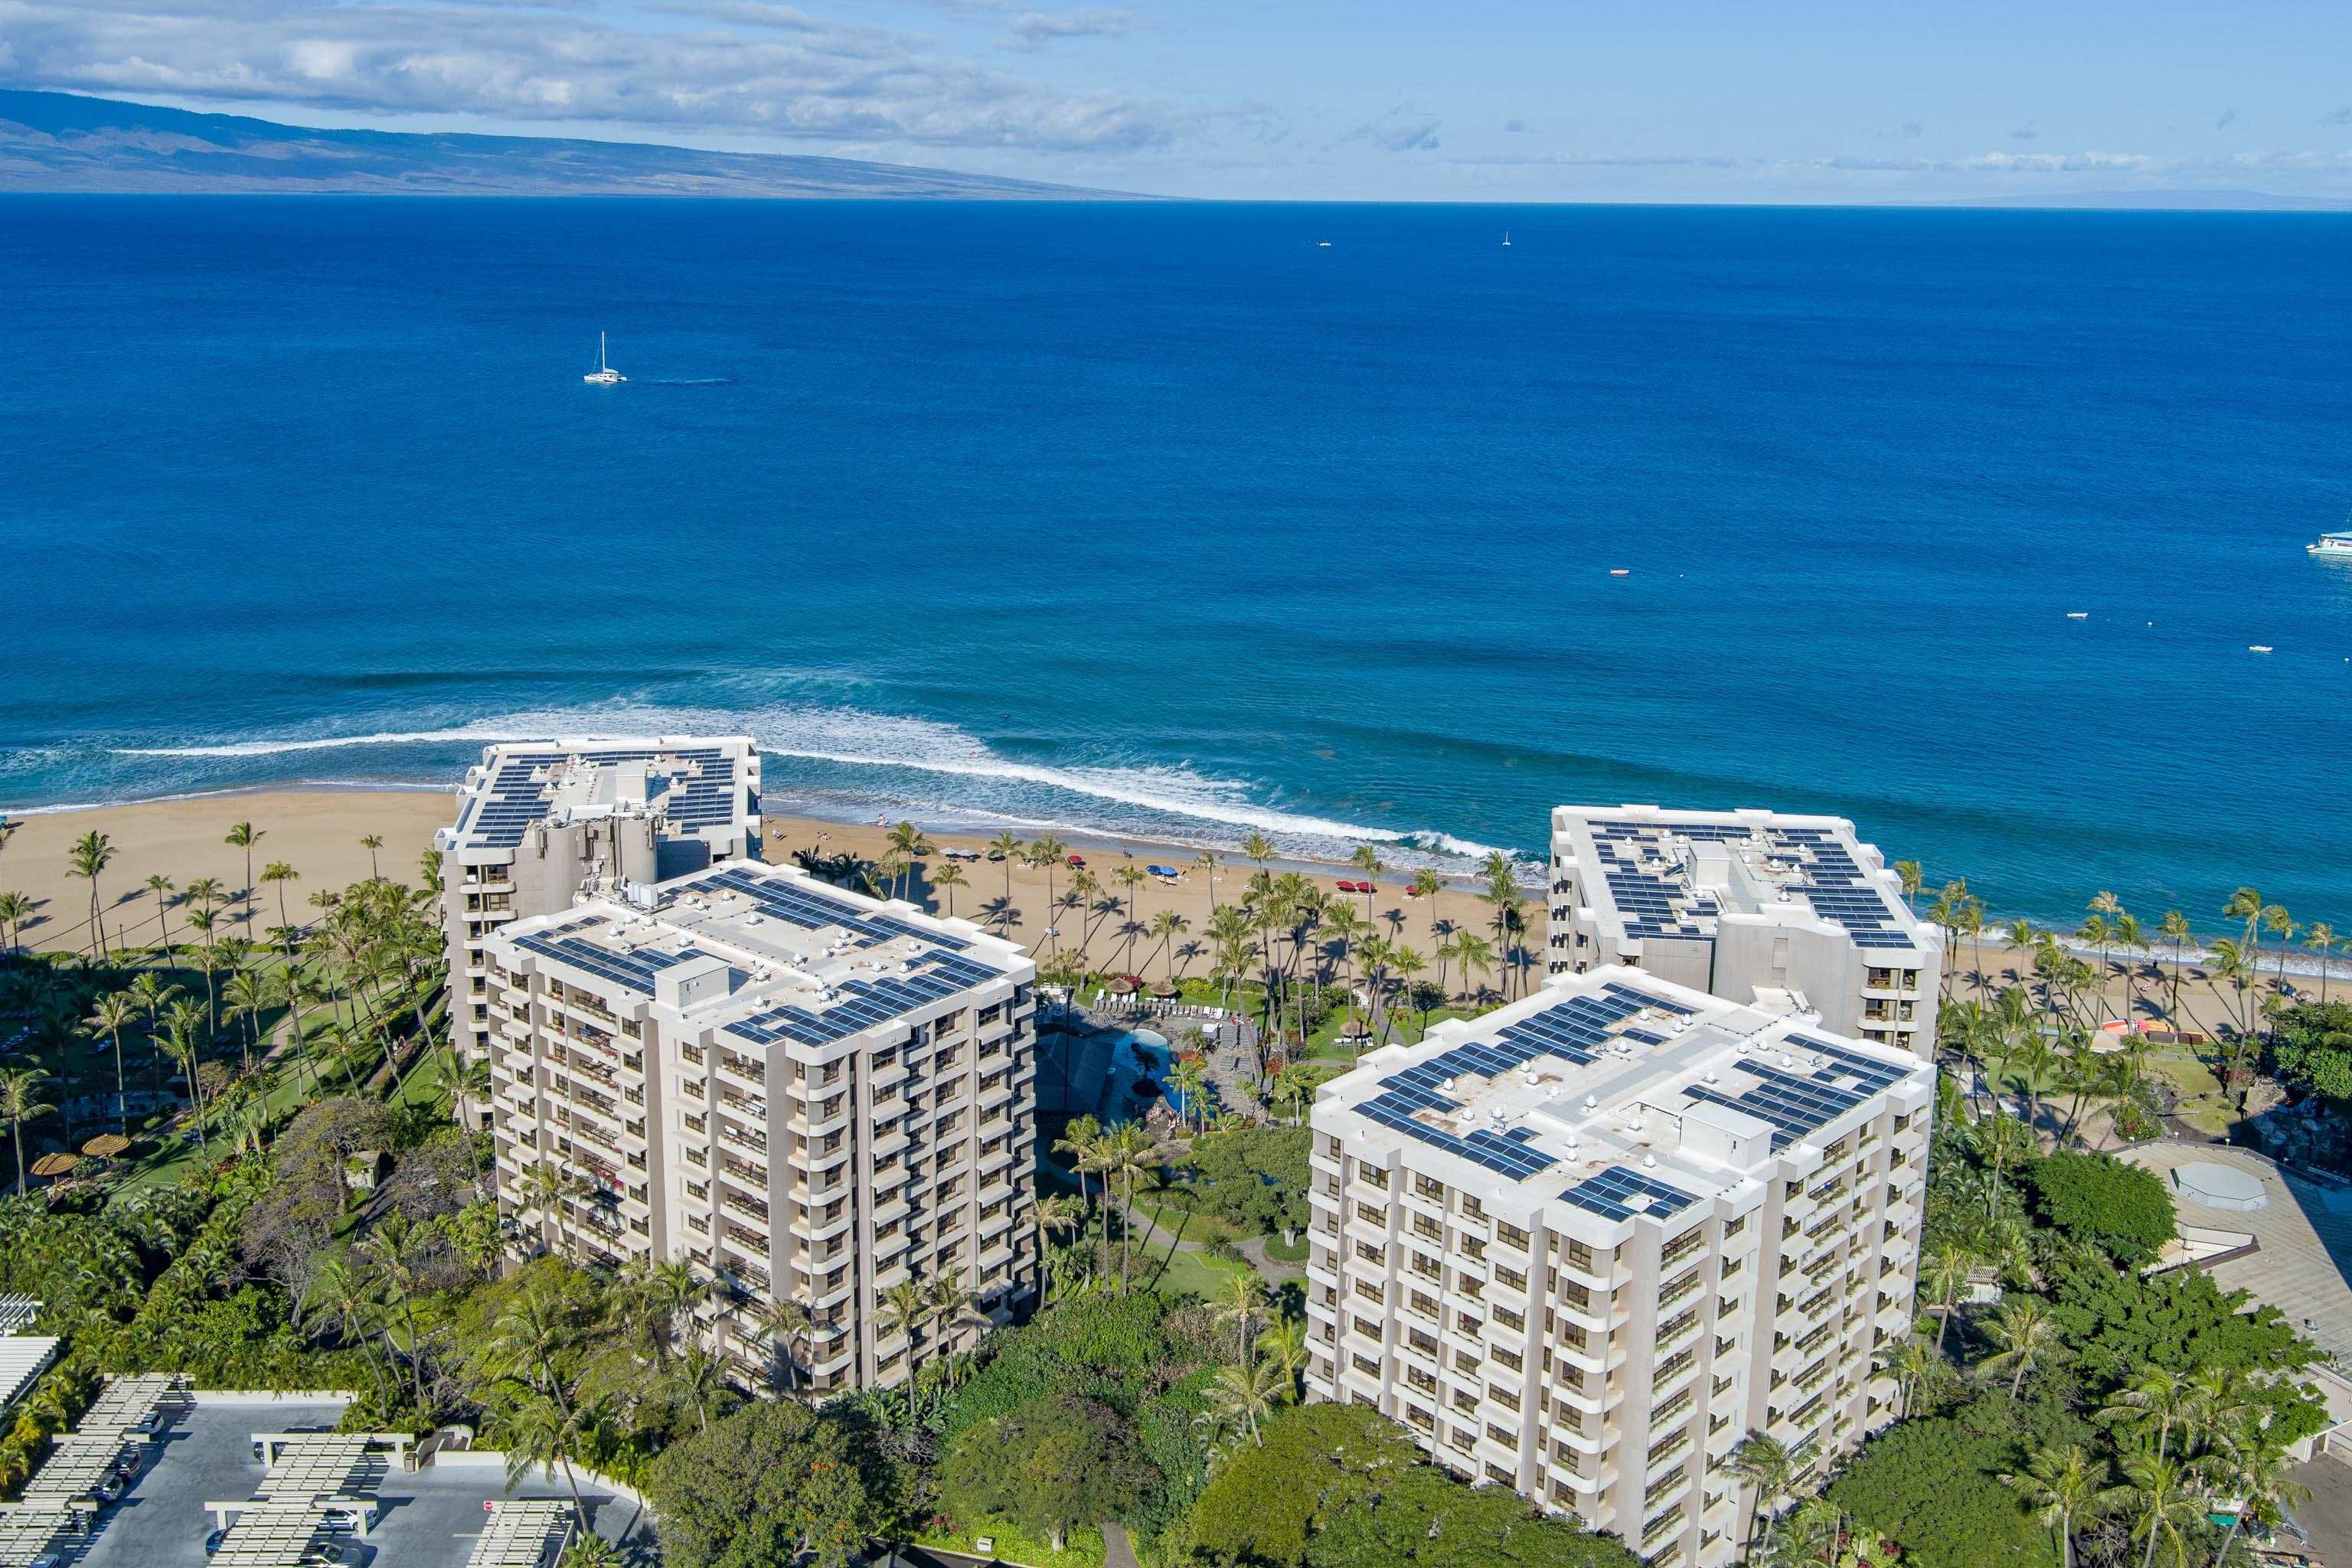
(768, 953)
(1676, 873)
(690, 785)
(1616, 1092)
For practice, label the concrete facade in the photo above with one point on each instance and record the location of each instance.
(807, 1095)
(1585, 1245)
(1786, 912)
(541, 824)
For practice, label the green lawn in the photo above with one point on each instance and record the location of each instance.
(1017, 1545)
(1195, 1273)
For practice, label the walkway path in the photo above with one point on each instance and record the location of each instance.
(1117, 1550)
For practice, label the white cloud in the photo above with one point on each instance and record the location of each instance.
(723, 65)
(1035, 30)
(1402, 130)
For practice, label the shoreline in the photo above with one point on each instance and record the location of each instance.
(950, 827)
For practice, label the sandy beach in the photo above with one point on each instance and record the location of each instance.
(318, 832)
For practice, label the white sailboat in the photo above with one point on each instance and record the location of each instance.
(603, 374)
(1507, 239)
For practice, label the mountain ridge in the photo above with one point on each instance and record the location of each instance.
(65, 144)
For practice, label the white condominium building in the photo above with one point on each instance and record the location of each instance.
(1790, 913)
(544, 824)
(808, 1095)
(1585, 1245)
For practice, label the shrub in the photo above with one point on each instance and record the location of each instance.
(2119, 1208)
(1053, 1463)
(1933, 1484)
(765, 1485)
(2311, 1049)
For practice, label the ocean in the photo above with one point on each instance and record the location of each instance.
(1173, 519)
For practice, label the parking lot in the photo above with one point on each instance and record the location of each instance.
(426, 1520)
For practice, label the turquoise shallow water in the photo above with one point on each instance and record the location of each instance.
(1166, 519)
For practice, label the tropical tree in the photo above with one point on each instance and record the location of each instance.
(1126, 1155)
(1207, 863)
(2259, 1470)
(543, 1187)
(1243, 1299)
(947, 879)
(908, 845)
(108, 1015)
(1766, 1467)
(21, 1101)
(1283, 1346)
(1913, 877)
(248, 994)
(2026, 1331)
(2165, 1499)
(2060, 1485)
(2158, 1399)
(14, 910)
(160, 887)
(371, 842)
(2320, 938)
(1007, 849)
(788, 1323)
(87, 860)
(1167, 925)
(543, 1433)
(277, 874)
(1056, 1215)
(1243, 1395)
(244, 835)
(2175, 929)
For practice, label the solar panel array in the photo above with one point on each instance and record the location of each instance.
(1834, 885)
(1795, 1106)
(635, 970)
(1606, 1193)
(802, 905)
(866, 1003)
(701, 791)
(1576, 1029)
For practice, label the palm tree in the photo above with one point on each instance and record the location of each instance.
(1244, 1299)
(15, 909)
(2261, 1473)
(2059, 1484)
(948, 878)
(543, 1187)
(1052, 854)
(2175, 927)
(249, 995)
(2321, 939)
(2025, 1330)
(1206, 863)
(1283, 1346)
(698, 1382)
(1086, 1144)
(21, 1101)
(543, 1434)
(1246, 1395)
(2166, 1497)
(1912, 877)
(1126, 1156)
(1765, 1464)
(2280, 924)
(1911, 1363)
(1474, 953)
(1053, 1216)
(1408, 963)
(186, 1035)
(1367, 859)
(244, 835)
(89, 858)
(1946, 1276)
(1130, 878)
(151, 995)
(1258, 848)
(1167, 925)
(2157, 1398)
(787, 1323)
(109, 1013)
(160, 885)
(277, 874)
(1007, 849)
(371, 842)
(906, 1308)
(908, 845)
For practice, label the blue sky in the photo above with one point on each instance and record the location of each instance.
(1671, 100)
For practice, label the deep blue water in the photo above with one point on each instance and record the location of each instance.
(1165, 519)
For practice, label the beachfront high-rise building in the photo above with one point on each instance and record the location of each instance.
(543, 824)
(1585, 1245)
(1790, 913)
(808, 1095)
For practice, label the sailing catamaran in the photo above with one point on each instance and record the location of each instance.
(603, 374)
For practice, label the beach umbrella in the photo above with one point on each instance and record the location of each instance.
(53, 1164)
(106, 1146)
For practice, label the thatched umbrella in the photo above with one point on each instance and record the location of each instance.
(107, 1145)
(1120, 986)
(54, 1164)
(1164, 989)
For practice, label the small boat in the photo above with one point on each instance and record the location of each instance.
(1322, 245)
(2338, 543)
(2078, 614)
(1621, 572)
(2258, 647)
(1507, 239)
(603, 374)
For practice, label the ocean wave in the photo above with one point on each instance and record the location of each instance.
(1167, 794)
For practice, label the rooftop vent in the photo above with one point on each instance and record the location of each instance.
(1648, 1161)
(1592, 1103)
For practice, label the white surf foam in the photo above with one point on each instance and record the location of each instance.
(857, 739)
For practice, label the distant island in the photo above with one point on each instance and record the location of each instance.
(55, 142)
